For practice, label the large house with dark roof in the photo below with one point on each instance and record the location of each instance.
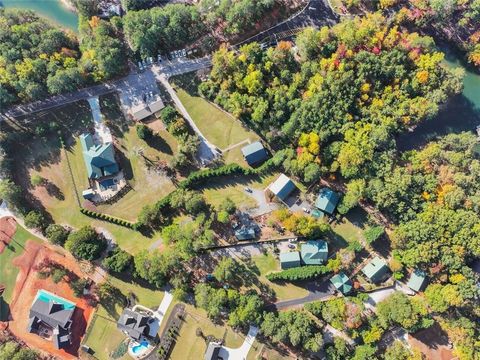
(99, 159)
(137, 325)
(51, 318)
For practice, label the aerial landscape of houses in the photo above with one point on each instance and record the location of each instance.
(239, 179)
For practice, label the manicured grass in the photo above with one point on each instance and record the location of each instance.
(44, 156)
(258, 350)
(104, 337)
(218, 127)
(234, 187)
(191, 347)
(65, 210)
(147, 185)
(350, 228)
(283, 291)
(8, 272)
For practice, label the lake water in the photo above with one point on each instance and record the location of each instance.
(54, 10)
(462, 113)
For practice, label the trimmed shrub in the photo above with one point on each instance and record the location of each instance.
(374, 233)
(299, 273)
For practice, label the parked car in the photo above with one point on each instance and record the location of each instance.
(140, 66)
(247, 189)
(291, 246)
(306, 210)
(293, 240)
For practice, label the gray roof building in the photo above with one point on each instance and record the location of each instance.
(135, 324)
(417, 280)
(53, 313)
(212, 352)
(290, 260)
(376, 269)
(254, 153)
(282, 187)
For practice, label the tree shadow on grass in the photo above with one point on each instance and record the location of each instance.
(159, 144)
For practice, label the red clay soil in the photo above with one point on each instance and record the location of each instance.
(432, 342)
(26, 287)
(8, 225)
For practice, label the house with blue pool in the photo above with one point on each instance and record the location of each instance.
(51, 318)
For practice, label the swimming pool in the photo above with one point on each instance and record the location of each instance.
(47, 296)
(140, 348)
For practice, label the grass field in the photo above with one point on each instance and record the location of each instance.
(234, 188)
(9, 272)
(43, 155)
(261, 351)
(220, 128)
(103, 336)
(350, 228)
(283, 291)
(189, 346)
(147, 185)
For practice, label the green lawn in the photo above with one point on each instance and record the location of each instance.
(147, 185)
(189, 346)
(44, 156)
(8, 272)
(283, 291)
(103, 336)
(64, 209)
(350, 228)
(261, 351)
(220, 128)
(234, 187)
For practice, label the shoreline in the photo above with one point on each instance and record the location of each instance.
(68, 4)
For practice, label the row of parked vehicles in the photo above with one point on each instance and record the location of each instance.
(176, 54)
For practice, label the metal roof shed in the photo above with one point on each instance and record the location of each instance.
(327, 200)
(375, 270)
(417, 280)
(290, 260)
(314, 252)
(282, 187)
(254, 153)
(342, 283)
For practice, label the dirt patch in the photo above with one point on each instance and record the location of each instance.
(432, 342)
(156, 125)
(27, 285)
(8, 226)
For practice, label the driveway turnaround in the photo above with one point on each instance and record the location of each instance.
(240, 353)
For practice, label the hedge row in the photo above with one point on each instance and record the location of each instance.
(194, 179)
(198, 177)
(108, 218)
(299, 273)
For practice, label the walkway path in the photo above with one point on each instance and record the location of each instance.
(240, 353)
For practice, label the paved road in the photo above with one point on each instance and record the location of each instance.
(129, 87)
(316, 13)
(318, 290)
(206, 151)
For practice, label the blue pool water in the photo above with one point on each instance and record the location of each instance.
(140, 348)
(47, 296)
